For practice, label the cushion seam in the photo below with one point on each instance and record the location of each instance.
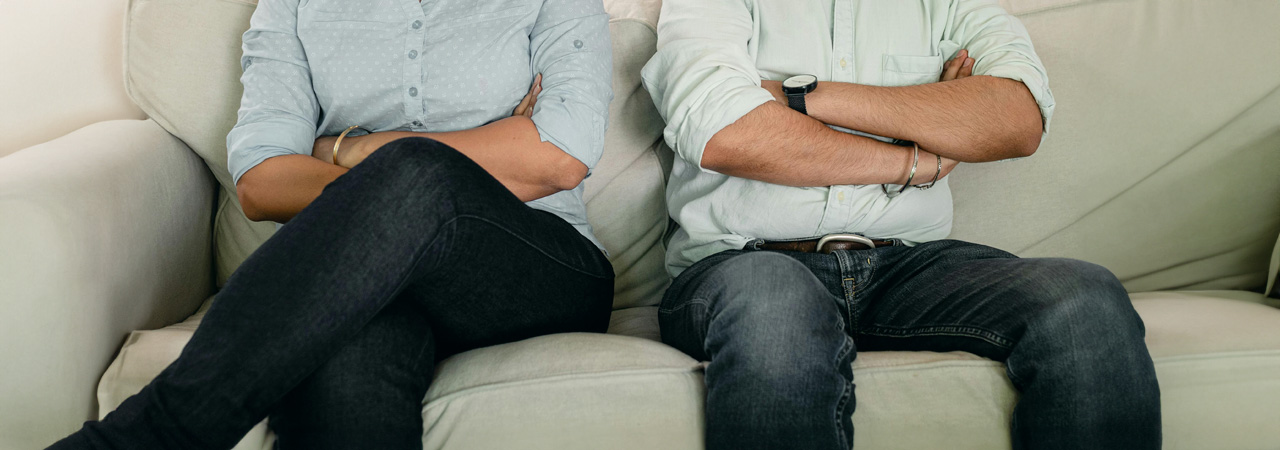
(557, 378)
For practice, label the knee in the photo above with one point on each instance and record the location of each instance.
(1087, 307)
(420, 161)
(420, 171)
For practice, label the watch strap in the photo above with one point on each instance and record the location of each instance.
(796, 102)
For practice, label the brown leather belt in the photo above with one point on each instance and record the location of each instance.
(811, 245)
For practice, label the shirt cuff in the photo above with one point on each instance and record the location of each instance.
(1035, 81)
(576, 129)
(250, 144)
(718, 108)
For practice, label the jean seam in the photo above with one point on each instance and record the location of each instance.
(871, 273)
(846, 392)
(693, 301)
(947, 330)
(703, 323)
(533, 245)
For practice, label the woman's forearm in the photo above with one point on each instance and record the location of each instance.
(278, 188)
(509, 149)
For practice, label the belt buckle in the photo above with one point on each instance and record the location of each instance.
(843, 237)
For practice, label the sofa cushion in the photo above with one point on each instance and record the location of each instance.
(1216, 353)
(182, 68)
(1142, 170)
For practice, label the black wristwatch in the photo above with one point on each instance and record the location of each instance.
(796, 87)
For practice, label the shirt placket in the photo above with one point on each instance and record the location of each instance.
(414, 76)
(840, 197)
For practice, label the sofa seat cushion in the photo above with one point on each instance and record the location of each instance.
(1217, 354)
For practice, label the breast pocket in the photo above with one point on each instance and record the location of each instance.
(454, 14)
(313, 17)
(905, 70)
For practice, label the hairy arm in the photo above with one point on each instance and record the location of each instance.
(974, 119)
(707, 88)
(808, 153)
(1001, 112)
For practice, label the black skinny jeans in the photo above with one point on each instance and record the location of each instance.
(333, 326)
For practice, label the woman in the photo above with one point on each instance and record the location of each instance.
(455, 224)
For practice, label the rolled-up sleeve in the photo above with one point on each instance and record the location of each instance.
(278, 111)
(570, 47)
(702, 77)
(1000, 47)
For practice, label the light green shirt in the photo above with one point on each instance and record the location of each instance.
(706, 74)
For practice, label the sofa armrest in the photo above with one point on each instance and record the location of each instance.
(102, 231)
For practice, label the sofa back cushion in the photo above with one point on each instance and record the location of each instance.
(182, 69)
(1162, 172)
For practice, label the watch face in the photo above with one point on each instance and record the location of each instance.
(799, 81)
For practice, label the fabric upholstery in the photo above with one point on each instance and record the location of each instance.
(182, 68)
(1216, 353)
(102, 231)
(1144, 162)
(76, 81)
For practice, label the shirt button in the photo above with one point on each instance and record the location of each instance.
(843, 63)
(413, 92)
(577, 44)
(840, 196)
(413, 54)
(417, 123)
(417, 24)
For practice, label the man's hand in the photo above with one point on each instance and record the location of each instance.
(775, 88)
(956, 68)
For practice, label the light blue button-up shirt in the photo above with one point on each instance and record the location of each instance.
(706, 75)
(315, 67)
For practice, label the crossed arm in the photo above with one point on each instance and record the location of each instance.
(533, 154)
(509, 149)
(961, 119)
(705, 83)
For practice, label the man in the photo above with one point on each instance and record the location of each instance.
(802, 241)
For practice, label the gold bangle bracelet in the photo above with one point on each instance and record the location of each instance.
(338, 142)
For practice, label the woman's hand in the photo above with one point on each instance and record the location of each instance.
(525, 108)
(956, 68)
(350, 154)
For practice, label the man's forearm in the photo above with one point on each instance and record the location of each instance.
(973, 119)
(775, 144)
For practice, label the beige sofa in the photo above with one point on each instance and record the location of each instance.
(1161, 165)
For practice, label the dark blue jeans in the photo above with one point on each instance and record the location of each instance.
(333, 326)
(781, 330)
